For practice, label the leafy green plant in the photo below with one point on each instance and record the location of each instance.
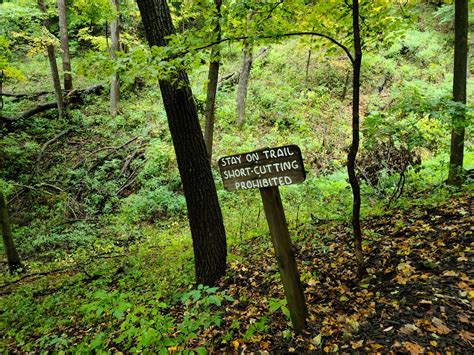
(260, 326)
(275, 304)
(202, 308)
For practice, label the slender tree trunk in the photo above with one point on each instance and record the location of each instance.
(204, 213)
(245, 68)
(213, 76)
(351, 158)
(56, 81)
(346, 86)
(471, 56)
(13, 258)
(115, 47)
(54, 66)
(2, 79)
(63, 35)
(461, 24)
(308, 61)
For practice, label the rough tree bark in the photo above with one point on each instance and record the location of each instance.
(114, 48)
(63, 35)
(204, 213)
(13, 258)
(212, 78)
(54, 66)
(244, 82)
(351, 158)
(461, 24)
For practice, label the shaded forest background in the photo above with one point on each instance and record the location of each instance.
(97, 205)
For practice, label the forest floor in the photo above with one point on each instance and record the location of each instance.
(419, 295)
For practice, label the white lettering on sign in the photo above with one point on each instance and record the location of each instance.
(262, 168)
(277, 153)
(251, 157)
(231, 160)
(266, 182)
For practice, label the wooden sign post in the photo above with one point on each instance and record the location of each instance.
(266, 169)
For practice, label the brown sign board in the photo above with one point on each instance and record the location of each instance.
(262, 168)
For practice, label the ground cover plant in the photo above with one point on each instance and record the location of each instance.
(99, 213)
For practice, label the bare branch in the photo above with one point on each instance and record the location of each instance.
(289, 34)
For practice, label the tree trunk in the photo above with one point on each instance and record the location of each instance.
(63, 35)
(461, 24)
(351, 158)
(53, 65)
(204, 213)
(13, 258)
(56, 81)
(115, 47)
(308, 61)
(212, 78)
(243, 82)
(471, 56)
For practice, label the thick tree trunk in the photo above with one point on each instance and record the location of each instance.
(204, 212)
(461, 24)
(54, 66)
(63, 35)
(351, 158)
(115, 47)
(243, 82)
(212, 78)
(13, 258)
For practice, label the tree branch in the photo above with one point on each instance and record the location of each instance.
(20, 96)
(289, 34)
(74, 96)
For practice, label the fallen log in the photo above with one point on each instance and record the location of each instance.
(75, 96)
(25, 95)
(27, 114)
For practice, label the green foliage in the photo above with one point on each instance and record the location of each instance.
(258, 327)
(19, 18)
(275, 304)
(8, 70)
(119, 232)
(203, 309)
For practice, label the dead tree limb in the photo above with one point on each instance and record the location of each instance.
(46, 145)
(74, 97)
(33, 95)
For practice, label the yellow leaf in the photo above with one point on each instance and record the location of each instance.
(414, 348)
(235, 344)
(440, 327)
(433, 343)
(357, 344)
(466, 336)
(450, 273)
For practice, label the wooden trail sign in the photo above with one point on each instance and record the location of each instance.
(267, 169)
(262, 168)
